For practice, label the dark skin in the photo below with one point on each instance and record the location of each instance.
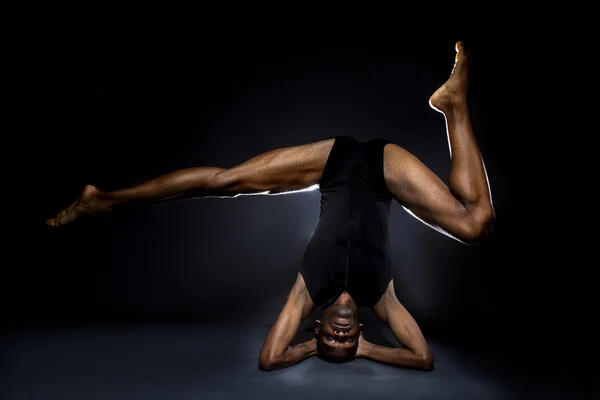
(276, 352)
(461, 210)
(339, 330)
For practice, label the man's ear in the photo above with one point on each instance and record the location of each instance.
(360, 327)
(317, 325)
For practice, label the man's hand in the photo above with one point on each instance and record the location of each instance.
(313, 341)
(362, 345)
(395, 356)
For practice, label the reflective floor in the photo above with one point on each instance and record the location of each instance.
(220, 362)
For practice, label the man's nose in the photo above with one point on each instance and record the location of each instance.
(340, 332)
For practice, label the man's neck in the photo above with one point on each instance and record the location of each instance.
(345, 300)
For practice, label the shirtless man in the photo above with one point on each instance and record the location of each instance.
(347, 261)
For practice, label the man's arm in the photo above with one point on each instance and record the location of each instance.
(394, 356)
(276, 352)
(415, 352)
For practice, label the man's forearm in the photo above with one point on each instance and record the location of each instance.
(397, 357)
(293, 355)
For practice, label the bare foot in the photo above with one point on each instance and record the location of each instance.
(89, 203)
(454, 91)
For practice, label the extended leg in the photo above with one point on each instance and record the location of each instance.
(282, 170)
(464, 209)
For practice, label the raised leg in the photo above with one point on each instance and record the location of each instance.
(463, 210)
(278, 171)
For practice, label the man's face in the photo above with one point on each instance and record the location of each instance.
(338, 332)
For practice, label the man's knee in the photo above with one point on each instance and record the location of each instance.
(235, 181)
(224, 181)
(478, 225)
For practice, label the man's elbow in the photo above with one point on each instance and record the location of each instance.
(267, 363)
(266, 366)
(426, 361)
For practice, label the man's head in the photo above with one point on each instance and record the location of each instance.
(337, 333)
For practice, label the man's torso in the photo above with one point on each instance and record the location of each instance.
(350, 247)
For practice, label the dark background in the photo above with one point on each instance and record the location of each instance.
(124, 105)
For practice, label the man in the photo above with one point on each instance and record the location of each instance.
(347, 261)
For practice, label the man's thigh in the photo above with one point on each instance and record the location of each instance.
(282, 170)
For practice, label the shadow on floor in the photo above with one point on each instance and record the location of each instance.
(220, 362)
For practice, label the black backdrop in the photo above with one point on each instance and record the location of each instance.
(128, 106)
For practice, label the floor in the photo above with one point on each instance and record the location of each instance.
(220, 362)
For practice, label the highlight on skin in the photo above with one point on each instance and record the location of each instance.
(308, 189)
